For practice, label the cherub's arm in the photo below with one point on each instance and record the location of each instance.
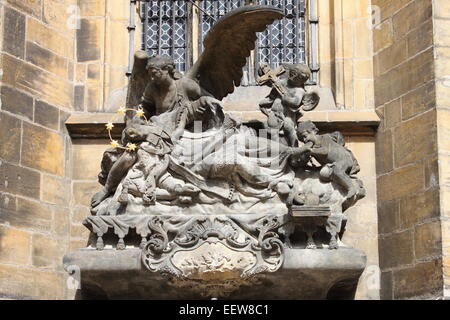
(266, 103)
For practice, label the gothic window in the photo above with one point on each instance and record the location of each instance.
(283, 41)
(165, 25)
(168, 29)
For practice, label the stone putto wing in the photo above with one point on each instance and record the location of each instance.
(227, 46)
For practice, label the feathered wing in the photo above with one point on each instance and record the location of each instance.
(227, 46)
(138, 79)
(310, 101)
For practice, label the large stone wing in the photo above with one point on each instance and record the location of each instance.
(227, 46)
(138, 79)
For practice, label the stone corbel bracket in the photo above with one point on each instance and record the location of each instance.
(231, 247)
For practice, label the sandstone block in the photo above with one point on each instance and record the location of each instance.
(47, 252)
(401, 182)
(25, 283)
(418, 207)
(55, 190)
(415, 139)
(10, 138)
(50, 39)
(46, 115)
(397, 250)
(422, 280)
(17, 102)
(428, 240)
(43, 150)
(14, 32)
(14, 246)
(47, 60)
(19, 180)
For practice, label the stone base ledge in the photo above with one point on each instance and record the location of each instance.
(305, 274)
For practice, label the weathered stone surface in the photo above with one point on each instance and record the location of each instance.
(92, 8)
(46, 37)
(418, 101)
(411, 16)
(83, 191)
(392, 113)
(14, 246)
(43, 149)
(428, 240)
(17, 102)
(61, 15)
(420, 39)
(87, 154)
(383, 36)
(33, 7)
(79, 231)
(10, 138)
(25, 283)
(397, 249)
(418, 207)
(79, 214)
(61, 222)
(33, 80)
(55, 190)
(388, 216)
(405, 77)
(46, 115)
(388, 8)
(47, 252)
(89, 40)
(14, 32)
(47, 60)
(401, 182)
(391, 56)
(423, 280)
(384, 152)
(19, 180)
(386, 286)
(27, 214)
(79, 97)
(415, 138)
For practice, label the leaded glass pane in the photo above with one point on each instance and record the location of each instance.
(165, 30)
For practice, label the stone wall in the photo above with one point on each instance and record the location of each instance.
(441, 37)
(37, 96)
(410, 145)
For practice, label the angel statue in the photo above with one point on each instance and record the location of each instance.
(173, 102)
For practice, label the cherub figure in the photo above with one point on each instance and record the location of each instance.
(338, 163)
(283, 106)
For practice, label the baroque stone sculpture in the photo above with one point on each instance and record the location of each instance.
(209, 202)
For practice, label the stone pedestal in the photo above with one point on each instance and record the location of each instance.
(304, 274)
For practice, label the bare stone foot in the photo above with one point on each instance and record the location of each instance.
(333, 244)
(99, 197)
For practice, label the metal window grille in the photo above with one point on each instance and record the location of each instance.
(165, 30)
(283, 41)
